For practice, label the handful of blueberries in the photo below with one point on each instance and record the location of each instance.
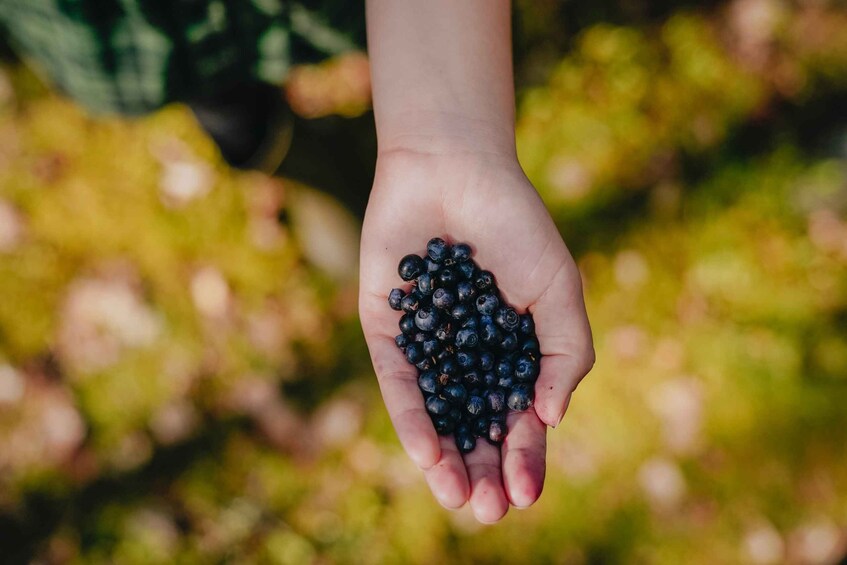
(477, 357)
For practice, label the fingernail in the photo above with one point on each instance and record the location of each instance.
(559, 420)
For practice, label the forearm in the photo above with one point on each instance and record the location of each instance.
(442, 75)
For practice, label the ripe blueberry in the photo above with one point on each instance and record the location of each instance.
(483, 280)
(460, 311)
(507, 318)
(426, 284)
(465, 442)
(466, 359)
(428, 382)
(487, 304)
(410, 267)
(521, 397)
(394, 298)
(467, 338)
(437, 406)
(475, 405)
(407, 324)
(526, 369)
(455, 393)
(447, 276)
(437, 249)
(496, 431)
(495, 400)
(466, 269)
(443, 298)
(461, 252)
(527, 325)
(414, 353)
(443, 425)
(465, 291)
(410, 303)
(401, 341)
(426, 319)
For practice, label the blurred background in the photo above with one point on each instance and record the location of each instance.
(183, 377)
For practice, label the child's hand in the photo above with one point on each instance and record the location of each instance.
(486, 201)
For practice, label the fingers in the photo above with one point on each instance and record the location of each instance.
(448, 479)
(488, 501)
(524, 453)
(565, 336)
(399, 386)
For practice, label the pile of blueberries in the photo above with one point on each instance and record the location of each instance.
(477, 357)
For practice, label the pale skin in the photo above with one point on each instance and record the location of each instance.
(447, 166)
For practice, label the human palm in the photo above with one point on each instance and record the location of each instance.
(486, 201)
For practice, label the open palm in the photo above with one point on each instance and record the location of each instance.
(487, 202)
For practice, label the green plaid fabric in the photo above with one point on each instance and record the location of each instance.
(132, 56)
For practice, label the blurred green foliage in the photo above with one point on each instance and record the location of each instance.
(177, 384)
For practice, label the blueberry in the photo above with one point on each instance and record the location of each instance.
(394, 298)
(455, 393)
(483, 280)
(505, 382)
(448, 366)
(467, 338)
(487, 304)
(426, 319)
(431, 346)
(410, 267)
(465, 442)
(446, 351)
(437, 249)
(479, 427)
(496, 431)
(425, 364)
(428, 382)
(495, 400)
(455, 414)
(460, 311)
(465, 291)
(420, 337)
(490, 334)
(508, 343)
(414, 353)
(466, 270)
(504, 369)
(507, 318)
(521, 397)
(410, 303)
(530, 345)
(466, 359)
(443, 425)
(472, 378)
(447, 276)
(401, 341)
(475, 405)
(443, 298)
(430, 265)
(426, 284)
(437, 406)
(489, 379)
(460, 252)
(445, 332)
(407, 324)
(527, 325)
(486, 360)
(526, 369)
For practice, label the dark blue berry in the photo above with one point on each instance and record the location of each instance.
(483, 281)
(487, 304)
(410, 303)
(509, 341)
(431, 346)
(471, 323)
(475, 405)
(486, 360)
(460, 311)
(496, 431)
(505, 382)
(437, 406)
(466, 359)
(443, 425)
(430, 266)
(414, 353)
(447, 276)
(448, 366)
(428, 382)
(504, 369)
(407, 324)
(465, 442)
(421, 337)
(465, 291)
(507, 318)
(466, 270)
(426, 284)
(479, 427)
(495, 400)
(460, 252)
(394, 298)
(530, 345)
(455, 414)
(425, 364)
(445, 332)
(437, 249)
(489, 379)
(426, 319)
(490, 334)
(467, 338)
(443, 298)
(526, 369)
(527, 325)
(455, 393)
(472, 378)
(521, 397)
(410, 267)
(401, 341)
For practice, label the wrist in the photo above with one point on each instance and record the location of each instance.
(446, 134)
